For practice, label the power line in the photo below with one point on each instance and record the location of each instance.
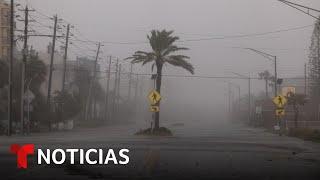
(208, 38)
(301, 8)
(248, 35)
(216, 38)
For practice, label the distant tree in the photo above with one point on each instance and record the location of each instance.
(267, 77)
(296, 100)
(83, 79)
(163, 51)
(37, 72)
(68, 103)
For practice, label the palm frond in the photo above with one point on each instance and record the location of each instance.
(180, 61)
(152, 67)
(142, 57)
(161, 40)
(173, 49)
(163, 49)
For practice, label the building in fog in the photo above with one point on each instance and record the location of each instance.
(298, 83)
(4, 30)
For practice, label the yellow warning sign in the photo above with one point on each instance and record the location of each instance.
(154, 97)
(280, 112)
(154, 109)
(280, 101)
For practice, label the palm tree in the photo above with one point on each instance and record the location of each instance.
(266, 76)
(163, 51)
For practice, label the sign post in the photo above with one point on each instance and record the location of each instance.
(280, 102)
(154, 98)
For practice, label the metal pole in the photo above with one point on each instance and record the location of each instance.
(276, 77)
(115, 89)
(249, 104)
(229, 99)
(118, 88)
(136, 92)
(239, 96)
(276, 92)
(107, 90)
(130, 81)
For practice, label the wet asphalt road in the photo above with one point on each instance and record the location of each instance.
(196, 151)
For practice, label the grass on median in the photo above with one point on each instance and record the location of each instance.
(305, 134)
(155, 132)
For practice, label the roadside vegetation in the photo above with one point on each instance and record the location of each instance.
(162, 131)
(305, 134)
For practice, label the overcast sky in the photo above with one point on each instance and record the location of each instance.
(127, 21)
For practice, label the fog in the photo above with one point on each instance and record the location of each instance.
(122, 26)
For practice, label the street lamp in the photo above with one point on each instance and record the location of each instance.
(272, 58)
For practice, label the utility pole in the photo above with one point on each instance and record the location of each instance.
(65, 58)
(115, 89)
(94, 80)
(318, 57)
(23, 66)
(91, 87)
(239, 96)
(130, 81)
(11, 68)
(305, 79)
(249, 87)
(107, 91)
(51, 64)
(229, 98)
(136, 91)
(118, 88)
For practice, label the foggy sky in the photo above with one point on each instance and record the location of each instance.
(122, 21)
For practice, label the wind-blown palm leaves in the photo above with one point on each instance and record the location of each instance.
(163, 51)
(267, 77)
(162, 44)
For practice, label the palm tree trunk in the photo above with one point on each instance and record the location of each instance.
(158, 88)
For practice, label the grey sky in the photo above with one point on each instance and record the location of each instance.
(131, 20)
